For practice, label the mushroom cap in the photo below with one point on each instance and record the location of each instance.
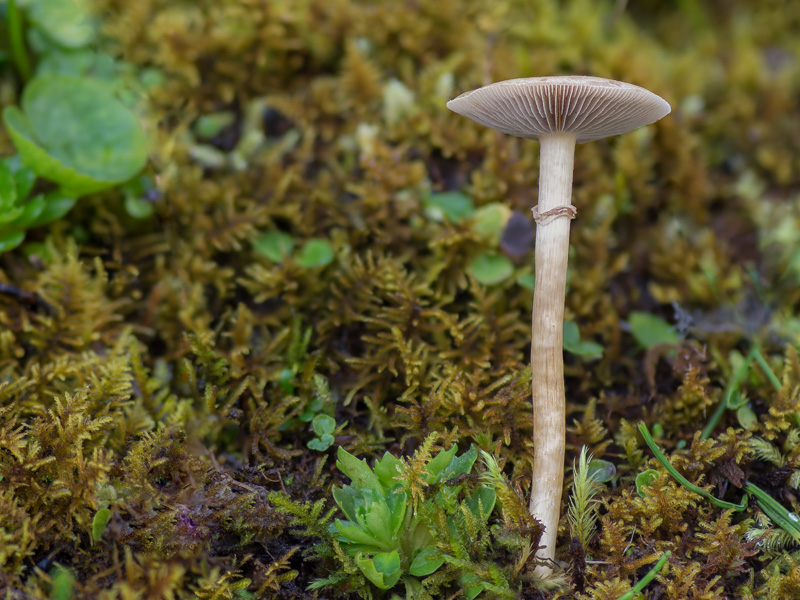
(589, 107)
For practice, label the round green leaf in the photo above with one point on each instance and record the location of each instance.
(528, 281)
(453, 206)
(644, 479)
(490, 269)
(275, 245)
(66, 22)
(601, 470)
(323, 424)
(490, 220)
(746, 417)
(316, 253)
(74, 131)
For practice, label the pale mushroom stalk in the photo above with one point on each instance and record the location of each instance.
(559, 112)
(556, 156)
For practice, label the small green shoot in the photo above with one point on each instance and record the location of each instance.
(582, 513)
(99, 523)
(733, 398)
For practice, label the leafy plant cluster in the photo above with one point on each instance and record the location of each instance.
(70, 129)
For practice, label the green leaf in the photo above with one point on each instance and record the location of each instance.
(736, 399)
(601, 470)
(482, 502)
(80, 63)
(274, 245)
(746, 417)
(138, 208)
(73, 131)
(24, 178)
(99, 523)
(323, 424)
(528, 281)
(10, 240)
(8, 188)
(650, 330)
(63, 586)
(352, 532)
(322, 443)
(315, 253)
(459, 465)
(357, 470)
(30, 212)
(208, 126)
(490, 220)
(645, 479)
(453, 206)
(56, 205)
(439, 463)
(383, 569)
(426, 562)
(386, 469)
(67, 22)
(491, 269)
(574, 345)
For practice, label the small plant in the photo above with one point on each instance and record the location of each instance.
(19, 210)
(385, 529)
(323, 426)
(71, 128)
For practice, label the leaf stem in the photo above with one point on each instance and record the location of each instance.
(681, 479)
(15, 33)
(733, 386)
(642, 583)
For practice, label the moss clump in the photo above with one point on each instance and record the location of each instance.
(164, 368)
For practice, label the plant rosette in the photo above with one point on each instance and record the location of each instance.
(384, 531)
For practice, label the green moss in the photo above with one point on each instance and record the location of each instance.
(169, 368)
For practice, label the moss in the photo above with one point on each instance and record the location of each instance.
(166, 369)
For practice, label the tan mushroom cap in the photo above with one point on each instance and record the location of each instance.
(590, 107)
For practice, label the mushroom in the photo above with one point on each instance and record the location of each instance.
(559, 112)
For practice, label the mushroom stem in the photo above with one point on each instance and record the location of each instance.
(556, 157)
